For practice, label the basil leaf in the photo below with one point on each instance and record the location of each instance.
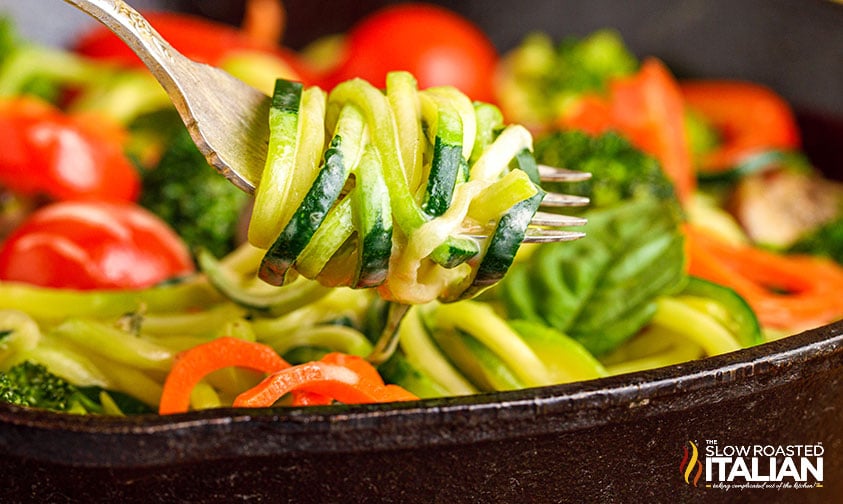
(602, 289)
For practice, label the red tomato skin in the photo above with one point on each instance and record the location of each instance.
(64, 157)
(438, 46)
(93, 245)
(197, 38)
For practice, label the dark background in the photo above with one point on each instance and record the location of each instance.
(793, 46)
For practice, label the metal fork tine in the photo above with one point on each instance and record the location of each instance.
(552, 174)
(540, 235)
(556, 220)
(563, 200)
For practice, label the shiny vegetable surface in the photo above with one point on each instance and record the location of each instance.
(197, 38)
(93, 245)
(395, 200)
(47, 152)
(436, 45)
(748, 118)
(348, 379)
(194, 364)
(377, 194)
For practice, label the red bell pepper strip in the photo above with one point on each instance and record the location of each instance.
(648, 109)
(48, 152)
(749, 118)
(360, 366)
(369, 373)
(344, 378)
(195, 363)
(591, 113)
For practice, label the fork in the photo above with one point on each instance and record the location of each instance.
(227, 119)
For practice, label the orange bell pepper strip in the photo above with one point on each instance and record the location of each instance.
(195, 363)
(368, 372)
(791, 292)
(344, 378)
(264, 21)
(749, 117)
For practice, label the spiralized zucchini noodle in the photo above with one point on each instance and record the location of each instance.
(392, 190)
(375, 198)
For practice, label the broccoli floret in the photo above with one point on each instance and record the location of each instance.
(587, 64)
(826, 240)
(619, 170)
(542, 79)
(31, 384)
(199, 203)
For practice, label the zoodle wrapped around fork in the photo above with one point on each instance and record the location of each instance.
(421, 194)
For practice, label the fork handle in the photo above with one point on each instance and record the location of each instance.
(155, 52)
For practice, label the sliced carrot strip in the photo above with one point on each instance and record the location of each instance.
(194, 364)
(344, 378)
(792, 292)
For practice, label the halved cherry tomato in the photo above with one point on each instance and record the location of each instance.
(48, 152)
(93, 245)
(749, 117)
(197, 38)
(436, 45)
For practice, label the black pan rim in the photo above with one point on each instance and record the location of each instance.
(231, 433)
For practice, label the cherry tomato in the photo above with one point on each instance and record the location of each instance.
(93, 245)
(438, 46)
(45, 151)
(197, 38)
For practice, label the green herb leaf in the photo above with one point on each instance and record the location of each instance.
(601, 290)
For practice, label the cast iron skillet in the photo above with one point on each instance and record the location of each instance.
(618, 439)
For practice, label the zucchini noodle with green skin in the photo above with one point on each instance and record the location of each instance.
(388, 189)
(126, 341)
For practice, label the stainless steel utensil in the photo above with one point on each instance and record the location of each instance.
(227, 118)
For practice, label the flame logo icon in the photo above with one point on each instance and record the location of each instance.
(691, 464)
